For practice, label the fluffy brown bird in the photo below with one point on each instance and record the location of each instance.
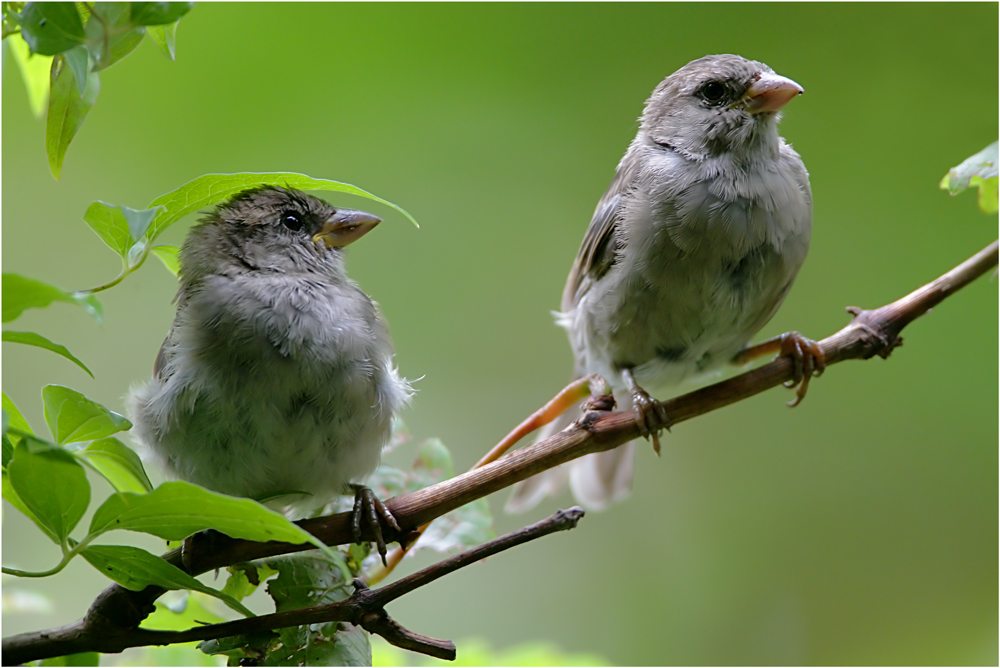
(276, 380)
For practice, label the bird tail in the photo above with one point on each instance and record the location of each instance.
(596, 480)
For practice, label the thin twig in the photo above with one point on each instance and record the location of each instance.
(365, 608)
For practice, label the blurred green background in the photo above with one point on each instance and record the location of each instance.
(860, 527)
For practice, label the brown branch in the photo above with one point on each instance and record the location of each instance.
(868, 334)
(364, 608)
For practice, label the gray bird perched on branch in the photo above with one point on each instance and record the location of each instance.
(276, 380)
(690, 252)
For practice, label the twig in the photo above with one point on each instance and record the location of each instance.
(868, 334)
(364, 608)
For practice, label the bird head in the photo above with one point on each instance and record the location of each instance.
(273, 229)
(718, 104)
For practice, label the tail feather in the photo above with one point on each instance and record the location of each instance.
(603, 478)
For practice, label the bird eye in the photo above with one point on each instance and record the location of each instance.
(712, 91)
(292, 221)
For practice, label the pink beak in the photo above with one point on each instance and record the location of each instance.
(770, 93)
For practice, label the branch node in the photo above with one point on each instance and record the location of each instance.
(599, 402)
(589, 419)
(568, 517)
(876, 337)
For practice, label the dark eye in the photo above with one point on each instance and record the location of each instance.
(292, 221)
(712, 91)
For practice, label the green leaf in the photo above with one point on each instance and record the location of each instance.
(73, 417)
(306, 580)
(138, 219)
(168, 254)
(349, 646)
(188, 613)
(159, 13)
(119, 226)
(81, 659)
(13, 499)
(6, 449)
(303, 581)
(112, 34)
(331, 644)
(175, 510)
(979, 170)
(110, 224)
(32, 339)
(78, 60)
(13, 416)
(244, 579)
(85, 13)
(20, 293)
(35, 72)
(136, 569)
(52, 485)
(118, 464)
(12, 419)
(51, 27)
(214, 188)
(165, 37)
(68, 110)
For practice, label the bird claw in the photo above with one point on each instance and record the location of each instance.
(650, 413)
(369, 507)
(808, 360)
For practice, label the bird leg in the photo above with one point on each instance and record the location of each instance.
(367, 506)
(650, 412)
(807, 357)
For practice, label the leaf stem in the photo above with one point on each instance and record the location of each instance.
(126, 270)
(68, 555)
(29, 574)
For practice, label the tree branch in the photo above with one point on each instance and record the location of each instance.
(868, 334)
(364, 608)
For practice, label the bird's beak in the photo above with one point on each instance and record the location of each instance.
(345, 227)
(770, 93)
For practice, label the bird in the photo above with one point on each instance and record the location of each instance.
(689, 253)
(277, 379)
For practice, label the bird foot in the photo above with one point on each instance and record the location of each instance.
(368, 508)
(808, 359)
(652, 416)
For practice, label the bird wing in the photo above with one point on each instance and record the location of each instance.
(162, 357)
(600, 243)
